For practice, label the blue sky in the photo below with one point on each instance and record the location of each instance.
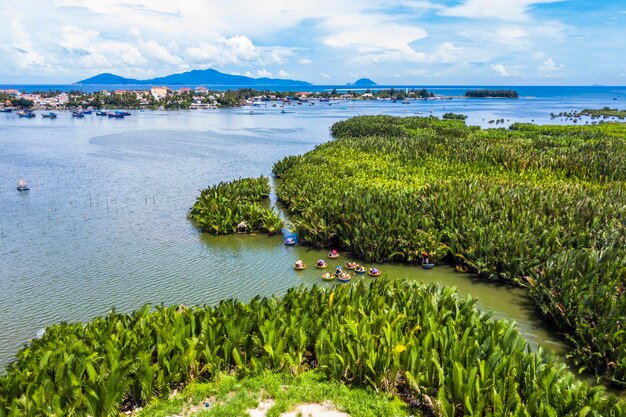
(430, 42)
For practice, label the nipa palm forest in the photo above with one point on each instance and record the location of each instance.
(537, 206)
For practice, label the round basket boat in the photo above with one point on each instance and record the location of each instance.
(324, 265)
(299, 268)
(328, 277)
(332, 255)
(360, 271)
(344, 277)
(428, 266)
(351, 265)
(373, 274)
(290, 242)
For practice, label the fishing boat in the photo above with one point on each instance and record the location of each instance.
(86, 111)
(460, 268)
(115, 115)
(321, 264)
(49, 116)
(359, 270)
(290, 241)
(406, 102)
(6, 110)
(26, 114)
(101, 113)
(373, 272)
(351, 265)
(22, 185)
(299, 266)
(328, 277)
(78, 114)
(344, 277)
(428, 265)
(333, 254)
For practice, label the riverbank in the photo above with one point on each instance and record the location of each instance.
(422, 343)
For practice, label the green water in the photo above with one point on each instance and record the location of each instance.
(267, 259)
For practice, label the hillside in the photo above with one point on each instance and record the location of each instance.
(195, 77)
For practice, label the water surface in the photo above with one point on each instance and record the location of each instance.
(104, 224)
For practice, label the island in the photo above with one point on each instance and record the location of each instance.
(363, 82)
(491, 94)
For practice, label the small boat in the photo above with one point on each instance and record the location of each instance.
(300, 267)
(428, 265)
(406, 102)
(359, 270)
(86, 111)
(321, 264)
(6, 110)
(328, 277)
(26, 114)
(78, 114)
(344, 277)
(351, 265)
(333, 254)
(49, 116)
(115, 115)
(101, 113)
(460, 268)
(22, 185)
(373, 272)
(290, 241)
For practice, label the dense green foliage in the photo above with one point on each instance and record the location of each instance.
(454, 116)
(604, 112)
(542, 206)
(22, 103)
(220, 208)
(491, 93)
(441, 353)
(232, 396)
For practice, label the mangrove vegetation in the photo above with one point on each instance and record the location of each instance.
(539, 206)
(491, 94)
(219, 209)
(436, 351)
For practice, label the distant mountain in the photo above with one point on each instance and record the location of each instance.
(195, 77)
(107, 78)
(363, 82)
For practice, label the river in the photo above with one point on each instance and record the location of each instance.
(104, 223)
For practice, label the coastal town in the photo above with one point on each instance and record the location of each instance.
(166, 98)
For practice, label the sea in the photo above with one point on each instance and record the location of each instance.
(535, 92)
(104, 223)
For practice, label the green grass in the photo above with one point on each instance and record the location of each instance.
(230, 395)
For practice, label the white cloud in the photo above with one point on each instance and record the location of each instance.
(325, 76)
(499, 68)
(284, 74)
(494, 9)
(258, 74)
(389, 42)
(305, 61)
(549, 65)
(236, 50)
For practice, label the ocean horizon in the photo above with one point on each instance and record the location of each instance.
(525, 91)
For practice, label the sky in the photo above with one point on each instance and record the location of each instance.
(393, 42)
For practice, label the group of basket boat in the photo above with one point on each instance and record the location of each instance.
(339, 273)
